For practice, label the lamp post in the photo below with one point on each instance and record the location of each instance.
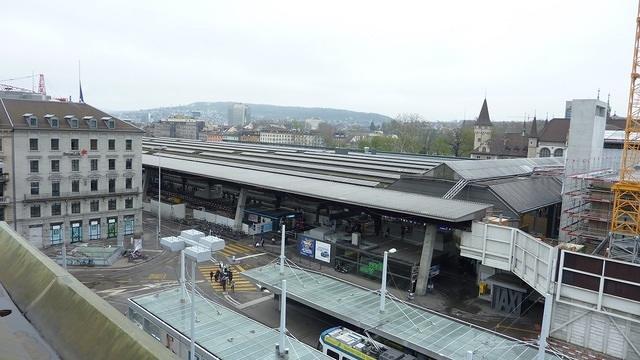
(383, 288)
(159, 191)
(196, 250)
(281, 351)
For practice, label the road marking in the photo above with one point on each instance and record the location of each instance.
(250, 256)
(157, 276)
(240, 283)
(254, 302)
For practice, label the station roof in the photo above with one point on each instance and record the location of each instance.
(425, 331)
(351, 167)
(381, 199)
(474, 170)
(221, 331)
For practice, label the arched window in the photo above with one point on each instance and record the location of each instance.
(484, 149)
(558, 153)
(544, 152)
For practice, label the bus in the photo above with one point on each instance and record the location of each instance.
(341, 343)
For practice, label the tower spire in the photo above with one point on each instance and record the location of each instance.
(483, 118)
(81, 97)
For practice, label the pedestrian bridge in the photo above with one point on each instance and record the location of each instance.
(596, 300)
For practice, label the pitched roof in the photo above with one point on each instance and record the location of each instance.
(13, 111)
(534, 129)
(483, 118)
(556, 130)
(616, 123)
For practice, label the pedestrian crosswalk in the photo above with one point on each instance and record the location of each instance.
(240, 283)
(236, 250)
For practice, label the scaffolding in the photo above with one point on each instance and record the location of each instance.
(590, 205)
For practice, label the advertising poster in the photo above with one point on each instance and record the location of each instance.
(323, 251)
(306, 246)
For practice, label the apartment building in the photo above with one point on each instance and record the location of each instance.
(71, 172)
(291, 138)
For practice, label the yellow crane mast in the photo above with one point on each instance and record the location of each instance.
(625, 219)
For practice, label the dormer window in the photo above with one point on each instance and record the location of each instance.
(52, 120)
(72, 120)
(110, 122)
(93, 123)
(31, 119)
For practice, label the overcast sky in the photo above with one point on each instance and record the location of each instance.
(436, 58)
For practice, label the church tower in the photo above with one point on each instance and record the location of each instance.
(482, 131)
(532, 150)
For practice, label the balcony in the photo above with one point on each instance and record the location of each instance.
(80, 195)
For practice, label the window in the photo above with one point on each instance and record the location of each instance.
(333, 354)
(128, 183)
(128, 164)
(54, 122)
(35, 211)
(74, 123)
(94, 184)
(112, 144)
(558, 153)
(112, 204)
(75, 185)
(111, 124)
(112, 164)
(94, 164)
(93, 144)
(35, 188)
(75, 164)
(55, 165)
(55, 189)
(75, 144)
(94, 205)
(56, 209)
(128, 144)
(55, 144)
(600, 111)
(34, 166)
(75, 207)
(128, 203)
(112, 185)
(33, 121)
(93, 123)
(33, 144)
(544, 152)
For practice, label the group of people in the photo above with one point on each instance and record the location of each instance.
(223, 277)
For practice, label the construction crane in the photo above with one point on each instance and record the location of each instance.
(625, 219)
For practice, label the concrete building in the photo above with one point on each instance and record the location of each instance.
(239, 114)
(183, 128)
(291, 138)
(70, 172)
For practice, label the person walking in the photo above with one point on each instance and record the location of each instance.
(223, 282)
(217, 275)
(211, 276)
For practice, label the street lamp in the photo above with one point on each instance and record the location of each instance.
(383, 288)
(193, 245)
(162, 148)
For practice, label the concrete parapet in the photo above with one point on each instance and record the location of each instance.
(77, 323)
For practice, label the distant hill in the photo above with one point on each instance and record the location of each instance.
(219, 110)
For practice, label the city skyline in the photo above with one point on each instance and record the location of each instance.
(438, 61)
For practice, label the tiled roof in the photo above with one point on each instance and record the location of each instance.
(555, 131)
(13, 111)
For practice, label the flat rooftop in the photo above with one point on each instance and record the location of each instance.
(222, 332)
(424, 331)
